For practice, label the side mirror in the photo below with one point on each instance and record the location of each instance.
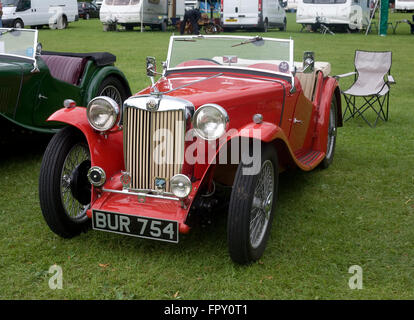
(151, 66)
(308, 62)
(283, 4)
(39, 48)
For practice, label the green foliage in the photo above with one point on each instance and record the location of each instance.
(360, 211)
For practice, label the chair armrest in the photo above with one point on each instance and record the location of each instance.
(339, 76)
(391, 79)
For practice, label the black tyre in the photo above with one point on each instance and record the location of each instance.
(332, 131)
(251, 209)
(265, 26)
(112, 87)
(18, 24)
(64, 189)
(283, 28)
(62, 23)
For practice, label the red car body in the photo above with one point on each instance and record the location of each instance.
(296, 126)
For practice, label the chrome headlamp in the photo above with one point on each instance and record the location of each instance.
(102, 113)
(180, 186)
(210, 121)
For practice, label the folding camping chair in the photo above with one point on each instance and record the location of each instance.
(369, 84)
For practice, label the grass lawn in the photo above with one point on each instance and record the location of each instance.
(360, 211)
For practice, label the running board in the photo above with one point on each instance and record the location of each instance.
(309, 158)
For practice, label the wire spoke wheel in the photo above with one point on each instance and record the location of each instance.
(331, 135)
(262, 204)
(112, 92)
(64, 189)
(75, 158)
(251, 208)
(331, 131)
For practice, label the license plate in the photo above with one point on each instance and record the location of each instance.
(135, 226)
(231, 20)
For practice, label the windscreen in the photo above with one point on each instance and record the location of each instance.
(271, 55)
(9, 3)
(18, 42)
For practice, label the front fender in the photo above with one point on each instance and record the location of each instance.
(264, 132)
(106, 150)
(330, 90)
(99, 76)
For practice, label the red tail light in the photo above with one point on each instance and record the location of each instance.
(260, 5)
(221, 5)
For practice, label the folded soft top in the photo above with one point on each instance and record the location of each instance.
(100, 58)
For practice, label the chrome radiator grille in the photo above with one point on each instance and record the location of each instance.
(154, 146)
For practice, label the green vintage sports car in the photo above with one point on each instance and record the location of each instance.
(34, 84)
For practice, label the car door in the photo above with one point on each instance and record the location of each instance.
(10, 82)
(50, 96)
(25, 11)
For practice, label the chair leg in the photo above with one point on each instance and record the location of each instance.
(379, 104)
(349, 103)
(370, 104)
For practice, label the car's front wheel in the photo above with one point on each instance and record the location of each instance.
(64, 189)
(18, 24)
(251, 208)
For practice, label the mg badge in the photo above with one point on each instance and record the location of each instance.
(125, 180)
(160, 183)
(152, 105)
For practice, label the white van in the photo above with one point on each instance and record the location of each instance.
(55, 13)
(404, 5)
(128, 13)
(253, 14)
(344, 14)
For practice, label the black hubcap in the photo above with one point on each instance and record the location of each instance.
(79, 184)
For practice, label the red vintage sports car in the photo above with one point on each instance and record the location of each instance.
(227, 113)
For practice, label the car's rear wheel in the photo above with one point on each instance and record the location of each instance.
(332, 131)
(64, 189)
(113, 88)
(62, 22)
(265, 26)
(251, 209)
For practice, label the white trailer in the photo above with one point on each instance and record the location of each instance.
(292, 5)
(55, 13)
(404, 5)
(345, 14)
(131, 13)
(253, 14)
